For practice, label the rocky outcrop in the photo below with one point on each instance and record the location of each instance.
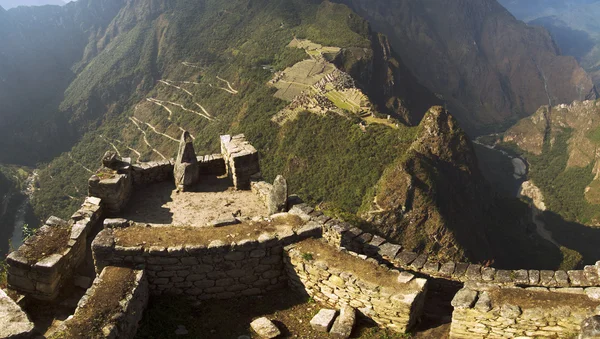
(491, 68)
(278, 196)
(422, 199)
(14, 323)
(186, 171)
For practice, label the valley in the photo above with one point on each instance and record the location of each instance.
(341, 111)
(428, 165)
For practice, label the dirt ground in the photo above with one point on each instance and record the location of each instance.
(291, 312)
(211, 200)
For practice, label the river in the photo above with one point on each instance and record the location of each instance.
(526, 189)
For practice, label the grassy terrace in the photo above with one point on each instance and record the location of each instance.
(169, 236)
(101, 306)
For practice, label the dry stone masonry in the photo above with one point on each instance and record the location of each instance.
(337, 270)
(509, 313)
(209, 270)
(92, 314)
(335, 281)
(241, 159)
(42, 265)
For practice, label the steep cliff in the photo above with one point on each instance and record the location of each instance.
(491, 68)
(155, 68)
(40, 47)
(433, 198)
(561, 144)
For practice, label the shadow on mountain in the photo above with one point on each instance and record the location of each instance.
(570, 41)
(581, 238)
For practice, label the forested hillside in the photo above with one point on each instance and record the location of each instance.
(141, 72)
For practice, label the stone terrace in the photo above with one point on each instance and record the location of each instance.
(249, 243)
(211, 201)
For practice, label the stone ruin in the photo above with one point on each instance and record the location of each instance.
(205, 264)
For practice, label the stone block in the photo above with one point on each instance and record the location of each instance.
(447, 269)
(310, 229)
(265, 328)
(278, 196)
(405, 258)
(14, 323)
(323, 320)
(344, 323)
(590, 328)
(464, 299)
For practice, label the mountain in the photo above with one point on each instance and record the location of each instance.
(528, 10)
(491, 68)
(560, 144)
(572, 24)
(41, 47)
(8, 4)
(135, 73)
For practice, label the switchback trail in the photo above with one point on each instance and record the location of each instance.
(78, 163)
(111, 144)
(155, 130)
(146, 139)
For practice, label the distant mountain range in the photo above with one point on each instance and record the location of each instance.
(490, 68)
(8, 4)
(573, 24)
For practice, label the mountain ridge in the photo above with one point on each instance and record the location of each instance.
(479, 58)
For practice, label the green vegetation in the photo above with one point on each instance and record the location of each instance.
(572, 260)
(326, 159)
(563, 188)
(594, 135)
(329, 160)
(307, 256)
(3, 274)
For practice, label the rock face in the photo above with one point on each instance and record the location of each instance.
(186, 172)
(491, 68)
(590, 328)
(265, 328)
(421, 201)
(278, 196)
(14, 323)
(568, 136)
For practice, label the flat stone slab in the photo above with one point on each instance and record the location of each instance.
(464, 299)
(323, 320)
(343, 325)
(265, 328)
(13, 321)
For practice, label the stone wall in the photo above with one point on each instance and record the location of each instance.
(344, 235)
(392, 299)
(241, 159)
(213, 164)
(113, 188)
(215, 270)
(41, 275)
(120, 323)
(147, 173)
(516, 312)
